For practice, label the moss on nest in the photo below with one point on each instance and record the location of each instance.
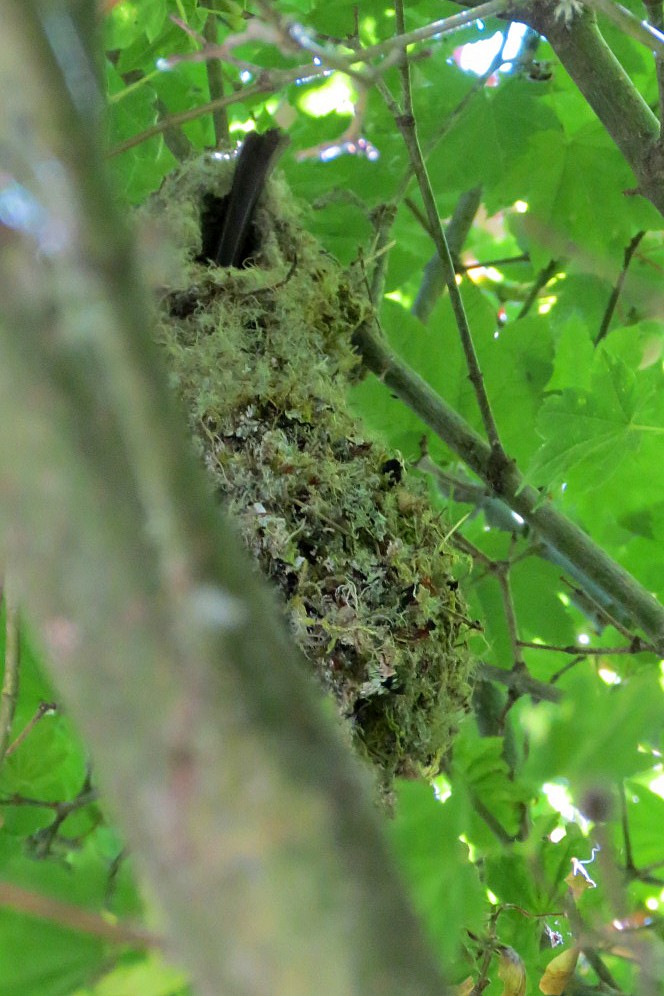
(262, 357)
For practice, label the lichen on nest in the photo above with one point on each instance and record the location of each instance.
(262, 357)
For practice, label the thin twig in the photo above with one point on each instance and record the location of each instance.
(445, 26)
(456, 112)
(75, 918)
(510, 617)
(541, 281)
(601, 612)
(627, 840)
(487, 947)
(655, 10)
(266, 84)
(44, 839)
(389, 50)
(486, 263)
(10, 679)
(631, 25)
(383, 219)
(290, 35)
(581, 936)
(565, 668)
(404, 72)
(215, 78)
(415, 210)
(617, 290)
(293, 34)
(408, 129)
(522, 683)
(637, 646)
(433, 280)
(518, 679)
(43, 709)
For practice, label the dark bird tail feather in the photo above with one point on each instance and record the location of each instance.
(257, 157)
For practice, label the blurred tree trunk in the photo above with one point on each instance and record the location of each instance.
(246, 814)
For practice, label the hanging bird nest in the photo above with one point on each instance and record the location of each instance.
(262, 357)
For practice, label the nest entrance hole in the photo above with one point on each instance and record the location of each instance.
(213, 217)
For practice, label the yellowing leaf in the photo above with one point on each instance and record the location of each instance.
(558, 972)
(464, 988)
(512, 971)
(578, 882)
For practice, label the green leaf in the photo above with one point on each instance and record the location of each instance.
(149, 975)
(645, 816)
(517, 364)
(484, 142)
(479, 767)
(595, 735)
(511, 881)
(588, 433)
(445, 886)
(60, 960)
(564, 179)
(574, 356)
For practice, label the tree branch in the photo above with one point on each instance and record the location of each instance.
(566, 538)
(609, 91)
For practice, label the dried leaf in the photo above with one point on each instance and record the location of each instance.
(558, 972)
(578, 880)
(512, 971)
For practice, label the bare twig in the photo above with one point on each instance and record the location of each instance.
(637, 646)
(74, 917)
(541, 281)
(456, 232)
(510, 619)
(522, 683)
(486, 263)
(434, 278)
(43, 840)
(267, 83)
(43, 709)
(617, 289)
(630, 25)
(297, 36)
(10, 677)
(445, 26)
(383, 219)
(404, 72)
(624, 822)
(565, 668)
(407, 127)
(655, 10)
(216, 81)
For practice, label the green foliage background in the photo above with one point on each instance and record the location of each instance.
(486, 857)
